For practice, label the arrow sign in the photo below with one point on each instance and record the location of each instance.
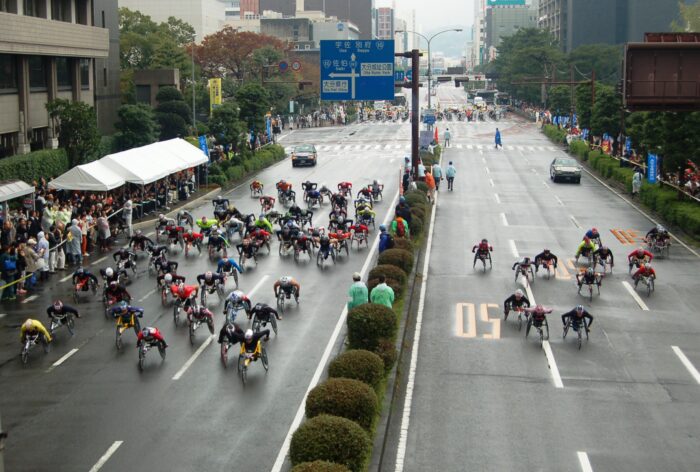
(357, 70)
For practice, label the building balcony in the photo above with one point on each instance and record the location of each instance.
(29, 35)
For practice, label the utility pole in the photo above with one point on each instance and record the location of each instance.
(415, 56)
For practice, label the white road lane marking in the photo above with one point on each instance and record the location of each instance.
(103, 460)
(100, 260)
(65, 357)
(552, 364)
(470, 147)
(574, 221)
(513, 249)
(498, 199)
(30, 298)
(636, 297)
(193, 358)
(504, 220)
(282, 454)
(406, 418)
(377, 147)
(585, 463)
(488, 171)
(147, 295)
(546, 347)
(545, 183)
(148, 235)
(67, 278)
(559, 200)
(483, 159)
(459, 146)
(258, 285)
(479, 147)
(491, 182)
(686, 362)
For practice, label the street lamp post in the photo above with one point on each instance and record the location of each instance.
(430, 61)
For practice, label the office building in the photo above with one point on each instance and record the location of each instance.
(577, 22)
(479, 38)
(384, 20)
(506, 20)
(48, 50)
(285, 7)
(205, 16)
(357, 12)
(108, 96)
(249, 8)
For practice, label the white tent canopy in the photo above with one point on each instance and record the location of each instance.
(11, 189)
(155, 161)
(94, 177)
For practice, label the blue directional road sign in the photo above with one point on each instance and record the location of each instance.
(357, 70)
(399, 76)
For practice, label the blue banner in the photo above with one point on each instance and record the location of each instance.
(203, 145)
(651, 168)
(268, 127)
(628, 144)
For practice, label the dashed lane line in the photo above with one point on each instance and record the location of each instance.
(65, 357)
(498, 199)
(686, 362)
(193, 358)
(504, 220)
(559, 200)
(636, 296)
(546, 347)
(30, 298)
(105, 457)
(574, 221)
(513, 249)
(585, 463)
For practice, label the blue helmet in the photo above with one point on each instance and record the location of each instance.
(382, 228)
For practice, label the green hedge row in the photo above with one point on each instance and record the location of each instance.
(663, 200)
(555, 134)
(224, 172)
(343, 410)
(47, 163)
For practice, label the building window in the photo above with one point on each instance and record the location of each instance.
(8, 6)
(85, 74)
(35, 8)
(37, 74)
(103, 19)
(81, 12)
(64, 78)
(61, 10)
(104, 76)
(143, 94)
(8, 74)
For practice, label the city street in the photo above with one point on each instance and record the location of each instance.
(486, 398)
(67, 409)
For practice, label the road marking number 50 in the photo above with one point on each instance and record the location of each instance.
(468, 310)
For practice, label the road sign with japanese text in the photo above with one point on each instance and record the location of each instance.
(357, 70)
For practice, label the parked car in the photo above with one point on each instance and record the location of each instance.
(565, 168)
(304, 154)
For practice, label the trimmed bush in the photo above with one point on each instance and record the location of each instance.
(390, 271)
(387, 351)
(368, 323)
(422, 187)
(416, 199)
(579, 148)
(358, 364)
(402, 243)
(320, 466)
(398, 257)
(554, 133)
(347, 398)
(48, 163)
(333, 439)
(416, 226)
(419, 211)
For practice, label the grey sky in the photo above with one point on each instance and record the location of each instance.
(434, 14)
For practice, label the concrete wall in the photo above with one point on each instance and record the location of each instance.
(107, 97)
(9, 118)
(29, 35)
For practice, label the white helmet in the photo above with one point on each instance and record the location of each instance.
(519, 293)
(286, 280)
(248, 334)
(109, 272)
(161, 216)
(168, 278)
(28, 325)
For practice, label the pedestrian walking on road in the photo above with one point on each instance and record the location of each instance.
(636, 181)
(430, 182)
(128, 213)
(382, 294)
(446, 137)
(450, 174)
(437, 175)
(357, 295)
(498, 139)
